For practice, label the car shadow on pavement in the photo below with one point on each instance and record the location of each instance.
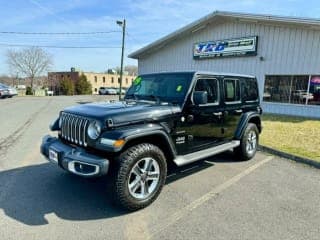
(29, 193)
(225, 157)
(176, 173)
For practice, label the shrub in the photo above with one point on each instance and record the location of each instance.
(29, 91)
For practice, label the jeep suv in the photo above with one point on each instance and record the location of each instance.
(177, 117)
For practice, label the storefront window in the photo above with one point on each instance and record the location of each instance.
(295, 89)
(315, 89)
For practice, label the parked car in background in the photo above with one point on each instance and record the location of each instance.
(123, 91)
(107, 91)
(8, 91)
(302, 95)
(4, 92)
(49, 93)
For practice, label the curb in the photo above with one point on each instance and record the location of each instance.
(307, 161)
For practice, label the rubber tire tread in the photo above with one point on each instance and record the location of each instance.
(241, 152)
(125, 162)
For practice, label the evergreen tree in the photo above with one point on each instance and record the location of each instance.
(67, 86)
(83, 86)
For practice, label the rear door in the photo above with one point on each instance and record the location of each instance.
(232, 105)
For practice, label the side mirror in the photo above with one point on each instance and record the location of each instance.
(200, 97)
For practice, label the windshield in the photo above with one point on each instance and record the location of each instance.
(164, 87)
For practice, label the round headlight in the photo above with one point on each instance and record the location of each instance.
(94, 130)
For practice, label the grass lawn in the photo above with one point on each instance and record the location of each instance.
(294, 135)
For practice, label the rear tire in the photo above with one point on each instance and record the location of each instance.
(140, 176)
(248, 143)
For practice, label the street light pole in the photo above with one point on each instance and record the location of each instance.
(123, 24)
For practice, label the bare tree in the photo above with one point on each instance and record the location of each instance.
(30, 62)
(131, 69)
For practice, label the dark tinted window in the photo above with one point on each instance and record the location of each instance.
(249, 90)
(168, 87)
(231, 90)
(210, 86)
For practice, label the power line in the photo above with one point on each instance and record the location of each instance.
(53, 46)
(59, 33)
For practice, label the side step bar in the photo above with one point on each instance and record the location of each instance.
(192, 157)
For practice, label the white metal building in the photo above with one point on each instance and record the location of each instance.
(283, 52)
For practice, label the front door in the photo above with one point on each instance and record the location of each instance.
(202, 126)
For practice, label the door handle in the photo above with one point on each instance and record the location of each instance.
(217, 114)
(238, 111)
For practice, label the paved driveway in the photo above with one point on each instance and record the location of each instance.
(219, 198)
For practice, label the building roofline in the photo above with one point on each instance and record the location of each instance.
(201, 23)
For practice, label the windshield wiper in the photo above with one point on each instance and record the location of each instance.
(135, 97)
(153, 97)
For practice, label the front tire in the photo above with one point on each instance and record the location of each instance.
(140, 176)
(248, 144)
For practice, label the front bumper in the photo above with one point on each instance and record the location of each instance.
(73, 159)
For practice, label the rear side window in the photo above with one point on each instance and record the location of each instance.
(231, 90)
(249, 90)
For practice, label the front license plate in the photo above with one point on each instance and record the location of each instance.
(53, 155)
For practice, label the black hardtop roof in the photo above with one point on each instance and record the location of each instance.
(203, 73)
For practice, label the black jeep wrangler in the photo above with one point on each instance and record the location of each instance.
(177, 117)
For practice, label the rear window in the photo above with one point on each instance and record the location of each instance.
(249, 90)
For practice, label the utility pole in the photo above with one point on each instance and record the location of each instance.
(123, 25)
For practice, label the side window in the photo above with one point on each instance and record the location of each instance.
(249, 90)
(211, 87)
(231, 90)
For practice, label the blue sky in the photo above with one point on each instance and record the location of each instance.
(147, 20)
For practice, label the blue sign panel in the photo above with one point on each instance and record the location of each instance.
(223, 48)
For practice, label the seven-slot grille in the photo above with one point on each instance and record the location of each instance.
(74, 128)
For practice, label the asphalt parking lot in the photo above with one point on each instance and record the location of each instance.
(219, 198)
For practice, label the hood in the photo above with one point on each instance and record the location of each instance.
(122, 113)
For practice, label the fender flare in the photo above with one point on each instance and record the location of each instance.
(135, 133)
(253, 117)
